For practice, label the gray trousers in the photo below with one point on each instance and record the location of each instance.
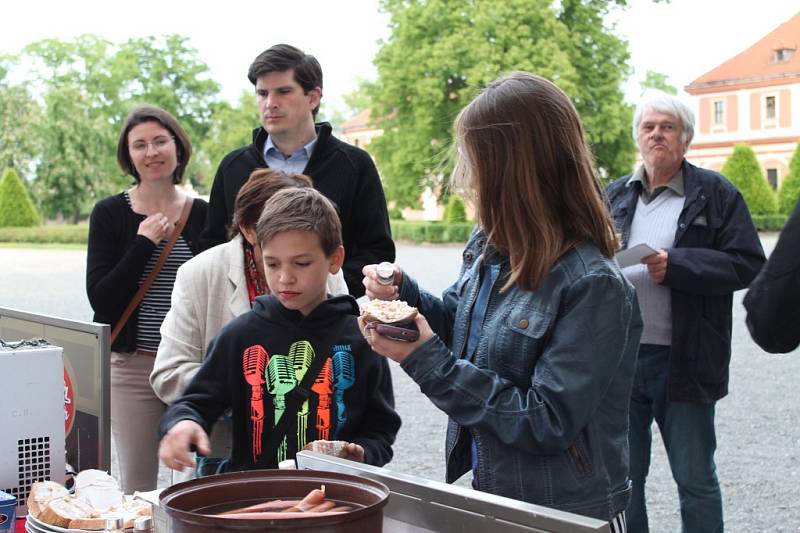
(135, 414)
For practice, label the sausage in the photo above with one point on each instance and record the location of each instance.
(326, 505)
(272, 515)
(273, 505)
(312, 499)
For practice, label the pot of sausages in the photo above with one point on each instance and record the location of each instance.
(283, 500)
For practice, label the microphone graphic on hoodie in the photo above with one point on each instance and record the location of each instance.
(323, 388)
(254, 361)
(344, 375)
(302, 354)
(280, 381)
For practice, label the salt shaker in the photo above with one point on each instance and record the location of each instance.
(385, 272)
(114, 525)
(143, 524)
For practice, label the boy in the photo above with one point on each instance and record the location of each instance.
(258, 359)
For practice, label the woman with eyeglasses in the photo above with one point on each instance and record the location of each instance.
(127, 234)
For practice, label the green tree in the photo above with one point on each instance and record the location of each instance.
(98, 82)
(790, 188)
(20, 116)
(441, 51)
(16, 208)
(743, 170)
(231, 127)
(78, 156)
(657, 80)
(455, 211)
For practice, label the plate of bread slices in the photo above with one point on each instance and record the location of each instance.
(51, 507)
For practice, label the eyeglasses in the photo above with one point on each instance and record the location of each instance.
(159, 143)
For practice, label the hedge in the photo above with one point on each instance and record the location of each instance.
(434, 232)
(770, 222)
(65, 234)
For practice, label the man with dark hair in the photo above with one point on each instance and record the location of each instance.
(288, 84)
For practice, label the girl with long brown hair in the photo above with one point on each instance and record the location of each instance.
(531, 352)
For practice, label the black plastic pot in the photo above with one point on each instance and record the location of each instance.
(188, 504)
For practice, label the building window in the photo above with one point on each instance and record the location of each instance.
(719, 113)
(783, 54)
(770, 108)
(772, 177)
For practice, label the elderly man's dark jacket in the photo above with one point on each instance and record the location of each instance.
(716, 252)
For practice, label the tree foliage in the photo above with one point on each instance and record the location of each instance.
(20, 117)
(657, 80)
(16, 208)
(789, 193)
(743, 170)
(85, 88)
(231, 127)
(441, 52)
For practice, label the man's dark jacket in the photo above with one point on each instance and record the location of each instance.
(716, 252)
(343, 173)
(773, 301)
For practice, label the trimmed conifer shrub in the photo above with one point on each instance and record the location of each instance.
(16, 208)
(789, 192)
(743, 170)
(454, 211)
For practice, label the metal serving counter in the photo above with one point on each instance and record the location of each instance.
(420, 505)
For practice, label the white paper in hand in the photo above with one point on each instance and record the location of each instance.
(634, 255)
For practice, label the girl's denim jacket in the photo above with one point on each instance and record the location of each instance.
(546, 397)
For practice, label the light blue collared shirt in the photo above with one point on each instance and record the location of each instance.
(295, 163)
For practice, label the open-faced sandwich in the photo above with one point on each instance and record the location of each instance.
(394, 312)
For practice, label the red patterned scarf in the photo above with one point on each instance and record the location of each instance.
(256, 284)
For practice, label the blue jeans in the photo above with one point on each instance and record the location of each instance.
(687, 430)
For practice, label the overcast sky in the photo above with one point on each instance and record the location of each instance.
(682, 39)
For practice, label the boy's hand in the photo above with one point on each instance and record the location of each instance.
(376, 291)
(396, 350)
(174, 449)
(355, 452)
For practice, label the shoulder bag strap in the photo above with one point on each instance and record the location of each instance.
(187, 207)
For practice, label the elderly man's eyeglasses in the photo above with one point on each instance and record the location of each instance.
(158, 144)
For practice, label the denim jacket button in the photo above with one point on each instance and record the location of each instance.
(523, 323)
(468, 257)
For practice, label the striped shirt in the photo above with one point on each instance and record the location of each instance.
(156, 302)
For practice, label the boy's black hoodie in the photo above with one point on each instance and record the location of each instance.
(259, 356)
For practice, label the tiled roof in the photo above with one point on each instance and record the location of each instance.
(358, 122)
(759, 62)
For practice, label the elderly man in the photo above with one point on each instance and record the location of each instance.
(707, 248)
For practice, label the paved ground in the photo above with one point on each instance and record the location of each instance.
(758, 454)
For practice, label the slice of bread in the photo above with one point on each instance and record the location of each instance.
(129, 511)
(62, 511)
(42, 492)
(336, 448)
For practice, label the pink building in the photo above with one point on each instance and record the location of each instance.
(753, 98)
